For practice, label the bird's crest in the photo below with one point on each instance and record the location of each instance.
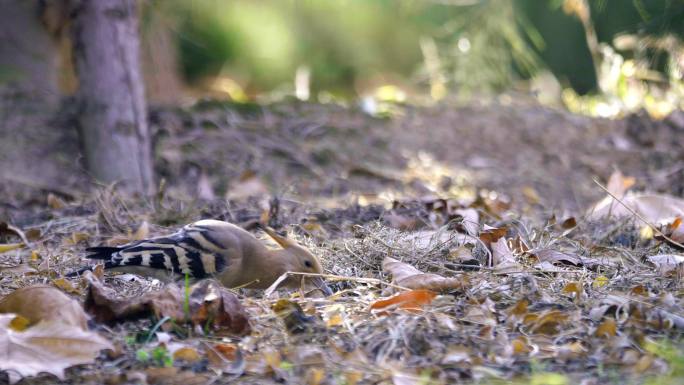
(284, 242)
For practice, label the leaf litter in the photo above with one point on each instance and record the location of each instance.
(450, 287)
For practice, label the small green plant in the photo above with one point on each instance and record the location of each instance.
(186, 299)
(162, 357)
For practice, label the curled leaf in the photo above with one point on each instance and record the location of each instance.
(46, 347)
(44, 303)
(409, 277)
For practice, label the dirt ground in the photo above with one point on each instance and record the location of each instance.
(357, 189)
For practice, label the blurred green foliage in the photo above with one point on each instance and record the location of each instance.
(466, 45)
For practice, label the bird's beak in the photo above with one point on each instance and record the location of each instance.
(320, 284)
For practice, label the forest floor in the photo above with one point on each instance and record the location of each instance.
(551, 287)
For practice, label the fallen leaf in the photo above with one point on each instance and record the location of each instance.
(600, 281)
(503, 259)
(409, 277)
(470, 221)
(210, 305)
(55, 202)
(569, 223)
(412, 301)
(492, 234)
(65, 285)
(574, 288)
(296, 321)
(143, 232)
(106, 307)
(548, 322)
(46, 347)
(666, 263)
(44, 303)
(607, 328)
(555, 256)
(187, 354)
(654, 208)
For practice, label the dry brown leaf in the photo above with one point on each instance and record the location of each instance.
(503, 259)
(46, 347)
(492, 234)
(655, 208)
(210, 305)
(44, 303)
(105, 306)
(574, 288)
(607, 328)
(409, 277)
(548, 322)
(555, 256)
(213, 305)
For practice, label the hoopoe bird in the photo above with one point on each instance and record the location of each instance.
(211, 248)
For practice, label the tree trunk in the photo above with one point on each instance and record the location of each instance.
(113, 119)
(28, 56)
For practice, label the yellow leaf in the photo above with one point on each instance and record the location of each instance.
(335, 320)
(574, 288)
(19, 323)
(187, 354)
(66, 286)
(646, 233)
(315, 376)
(600, 281)
(520, 345)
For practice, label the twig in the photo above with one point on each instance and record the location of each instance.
(333, 277)
(652, 226)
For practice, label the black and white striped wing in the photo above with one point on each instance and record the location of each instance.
(191, 251)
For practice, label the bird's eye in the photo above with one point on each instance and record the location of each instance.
(308, 264)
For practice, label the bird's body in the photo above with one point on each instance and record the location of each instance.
(211, 248)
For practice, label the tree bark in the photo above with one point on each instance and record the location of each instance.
(113, 118)
(28, 56)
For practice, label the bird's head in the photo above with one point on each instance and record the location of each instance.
(297, 258)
